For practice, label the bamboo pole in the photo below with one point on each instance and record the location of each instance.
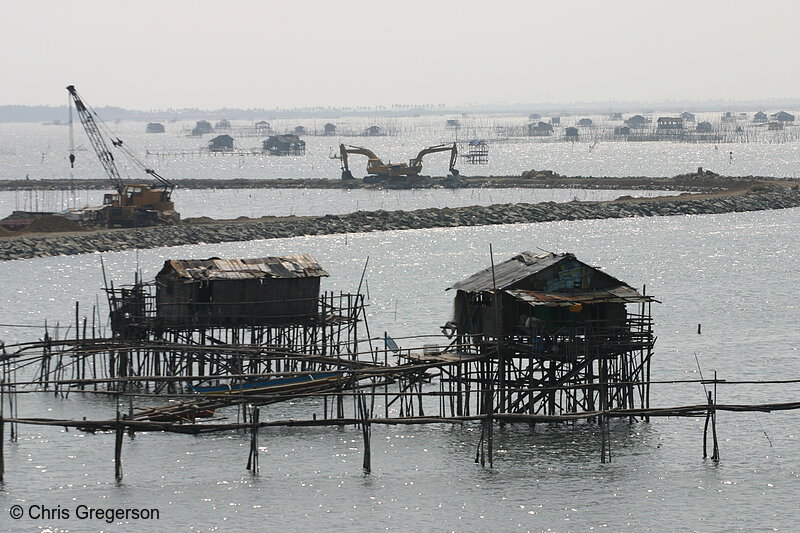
(119, 432)
(252, 459)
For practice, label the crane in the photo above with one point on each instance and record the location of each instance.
(376, 167)
(134, 204)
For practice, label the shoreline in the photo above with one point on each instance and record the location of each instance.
(204, 230)
(696, 182)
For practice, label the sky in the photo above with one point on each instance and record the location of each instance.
(155, 55)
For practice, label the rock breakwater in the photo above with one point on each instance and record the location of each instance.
(28, 246)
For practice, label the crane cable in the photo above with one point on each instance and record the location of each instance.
(117, 142)
(71, 134)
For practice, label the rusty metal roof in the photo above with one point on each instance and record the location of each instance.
(286, 267)
(621, 294)
(509, 272)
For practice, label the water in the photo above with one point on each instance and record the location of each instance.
(40, 151)
(733, 273)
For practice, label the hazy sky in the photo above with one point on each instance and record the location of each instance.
(146, 54)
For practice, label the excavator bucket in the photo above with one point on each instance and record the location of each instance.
(347, 175)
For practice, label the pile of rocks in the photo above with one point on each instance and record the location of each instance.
(361, 221)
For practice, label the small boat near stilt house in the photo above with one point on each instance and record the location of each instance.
(274, 385)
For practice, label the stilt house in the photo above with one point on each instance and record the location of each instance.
(284, 145)
(557, 335)
(552, 305)
(238, 292)
(221, 143)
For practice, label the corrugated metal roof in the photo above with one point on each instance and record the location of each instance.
(621, 294)
(509, 272)
(290, 266)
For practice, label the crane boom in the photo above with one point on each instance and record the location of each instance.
(97, 140)
(134, 204)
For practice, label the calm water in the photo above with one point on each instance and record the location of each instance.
(40, 151)
(733, 273)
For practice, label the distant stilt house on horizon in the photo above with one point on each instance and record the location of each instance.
(571, 133)
(555, 121)
(585, 123)
(760, 118)
(221, 143)
(262, 126)
(299, 130)
(687, 117)
(535, 116)
(615, 116)
(540, 129)
(477, 152)
(622, 130)
(373, 131)
(637, 122)
(703, 127)
(783, 116)
(222, 125)
(284, 145)
(329, 129)
(728, 117)
(669, 126)
(453, 124)
(202, 127)
(155, 127)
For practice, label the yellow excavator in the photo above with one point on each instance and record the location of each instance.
(376, 167)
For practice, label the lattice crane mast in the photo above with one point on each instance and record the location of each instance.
(134, 204)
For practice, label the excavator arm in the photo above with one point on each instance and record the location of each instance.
(372, 159)
(417, 161)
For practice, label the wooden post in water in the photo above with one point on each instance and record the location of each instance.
(711, 416)
(120, 431)
(366, 431)
(605, 435)
(705, 427)
(715, 455)
(252, 459)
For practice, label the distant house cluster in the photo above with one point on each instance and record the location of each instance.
(683, 127)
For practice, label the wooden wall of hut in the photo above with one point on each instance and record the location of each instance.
(233, 303)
